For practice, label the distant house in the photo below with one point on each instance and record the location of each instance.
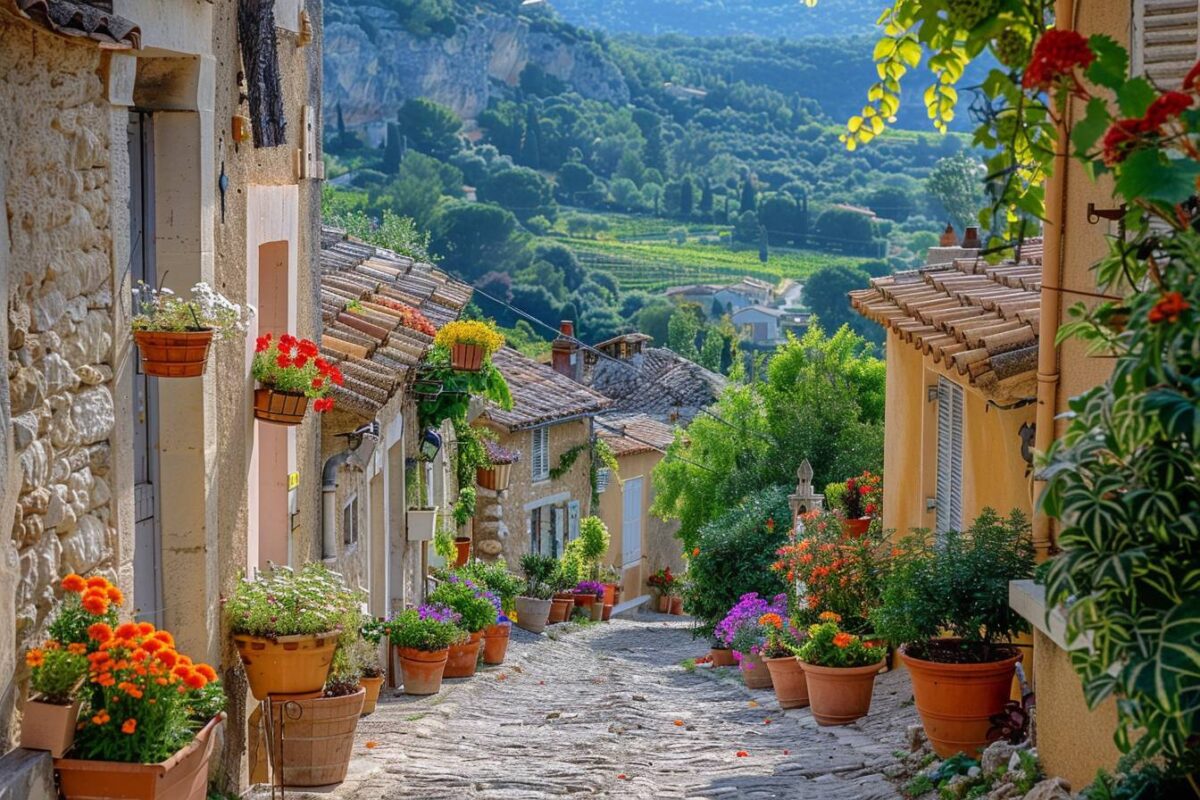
(551, 416)
(765, 326)
(699, 293)
(745, 293)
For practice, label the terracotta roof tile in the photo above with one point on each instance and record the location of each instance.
(657, 382)
(540, 394)
(84, 20)
(628, 434)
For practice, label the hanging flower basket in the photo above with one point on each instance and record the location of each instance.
(471, 343)
(422, 522)
(282, 408)
(498, 475)
(173, 354)
(291, 372)
(466, 357)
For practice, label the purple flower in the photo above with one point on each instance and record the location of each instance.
(589, 587)
(747, 611)
(439, 614)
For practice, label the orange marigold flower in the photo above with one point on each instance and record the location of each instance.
(98, 582)
(181, 671)
(105, 679)
(152, 645)
(843, 640)
(95, 604)
(695, 551)
(208, 672)
(101, 717)
(195, 680)
(772, 619)
(679, 723)
(1169, 308)
(742, 754)
(127, 630)
(50, 644)
(74, 583)
(115, 595)
(161, 681)
(130, 689)
(165, 637)
(35, 657)
(130, 726)
(145, 628)
(829, 616)
(184, 660)
(77, 648)
(168, 657)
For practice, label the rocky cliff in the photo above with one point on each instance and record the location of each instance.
(372, 64)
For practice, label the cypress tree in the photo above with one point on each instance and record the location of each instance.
(686, 196)
(341, 123)
(392, 149)
(749, 197)
(531, 147)
(706, 197)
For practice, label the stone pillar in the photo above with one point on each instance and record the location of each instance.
(490, 530)
(805, 499)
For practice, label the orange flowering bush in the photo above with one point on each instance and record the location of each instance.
(147, 699)
(830, 646)
(86, 602)
(833, 573)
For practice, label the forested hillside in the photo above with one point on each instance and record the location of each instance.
(790, 19)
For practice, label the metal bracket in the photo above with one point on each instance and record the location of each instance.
(1094, 214)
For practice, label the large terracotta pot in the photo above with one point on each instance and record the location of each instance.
(169, 354)
(840, 695)
(722, 657)
(754, 672)
(855, 528)
(183, 776)
(466, 357)
(422, 669)
(462, 550)
(496, 477)
(787, 676)
(610, 594)
(287, 664)
(664, 604)
(585, 600)
(464, 657)
(372, 686)
(312, 746)
(955, 701)
(495, 643)
(597, 609)
(281, 408)
(533, 614)
(46, 726)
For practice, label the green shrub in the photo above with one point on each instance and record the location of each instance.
(424, 629)
(464, 597)
(284, 602)
(736, 550)
(495, 577)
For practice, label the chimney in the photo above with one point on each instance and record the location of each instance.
(949, 237)
(971, 239)
(564, 356)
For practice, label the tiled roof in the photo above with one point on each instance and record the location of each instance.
(374, 351)
(84, 20)
(975, 320)
(540, 394)
(628, 434)
(657, 382)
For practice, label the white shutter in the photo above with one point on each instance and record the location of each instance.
(539, 460)
(1166, 40)
(631, 522)
(949, 456)
(573, 520)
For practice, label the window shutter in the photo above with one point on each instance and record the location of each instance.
(631, 522)
(1166, 40)
(540, 454)
(949, 456)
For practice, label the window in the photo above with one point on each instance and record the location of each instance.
(948, 501)
(350, 521)
(539, 459)
(631, 522)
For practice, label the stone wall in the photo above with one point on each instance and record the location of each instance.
(56, 151)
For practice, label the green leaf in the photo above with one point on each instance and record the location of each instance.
(1111, 67)
(1093, 125)
(1146, 174)
(1135, 96)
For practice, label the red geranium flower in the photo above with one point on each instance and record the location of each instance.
(1169, 308)
(1166, 107)
(1056, 55)
(283, 361)
(308, 348)
(262, 343)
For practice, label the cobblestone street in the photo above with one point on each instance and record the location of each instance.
(593, 712)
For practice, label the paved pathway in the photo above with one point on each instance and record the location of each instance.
(592, 712)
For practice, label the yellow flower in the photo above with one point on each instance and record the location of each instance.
(470, 332)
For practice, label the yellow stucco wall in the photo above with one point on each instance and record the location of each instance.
(660, 548)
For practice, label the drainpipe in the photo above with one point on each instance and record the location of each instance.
(356, 456)
(1052, 275)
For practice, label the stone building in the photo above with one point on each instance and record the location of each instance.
(550, 424)
(119, 162)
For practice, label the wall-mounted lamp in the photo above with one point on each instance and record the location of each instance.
(431, 443)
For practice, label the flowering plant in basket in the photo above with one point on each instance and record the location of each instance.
(410, 317)
(830, 646)
(862, 496)
(284, 602)
(207, 310)
(294, 365)
(782, 636)
(471, 332)
(743, 631)
(428, 628)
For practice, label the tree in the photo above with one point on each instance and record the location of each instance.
(686, 196)
(630, 168)
(845, 230)
(574, 179)
(531, 149)
(784, 219)
(522, 191)
(706, 197)
(682, 331)
(341, 122)
(655, 154)
(764, 252)
(505, 126)
(746, 229)
(654, 319)
(957, 186)
(473, 238)
(749, 195)
(825, 294)
(891, 202)
(393, 149)
(431, 128)
(625, 194)
(564, 259)
(713, 350)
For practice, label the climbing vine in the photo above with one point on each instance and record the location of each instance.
(601, 456)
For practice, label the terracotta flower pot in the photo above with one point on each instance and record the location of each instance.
(664, 604)
(372, 685)
(533, 614)
(287, 664)
(840, 695)
(855, 528)
(495, 643)
(677, 606)
(606, 614)
(597, 609)
(787, 676)
(560, 610)
(754, 672)
(496, 477)
(169, 354)
(47, 726)
(610, 594)
(314, 747)
(464, 657)
(462, 550)
(722, 657)
(466, 357)
(585, 600)
(281, 408)
(183, 776)
(956, 700)
(422, 669)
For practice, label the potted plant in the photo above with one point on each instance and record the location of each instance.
(498, 474)
(563, 580)
(422, 518)
(663, 582)
(778, 652)
(502, 587)
(291, 372)
(957, 584)
(470, 342)
(533, 605)
(586, 594)
(840, 670)
(153, 715)
(371, 632)
(173, 335)
(286, 626)
(859, 499)
(495, 640)
(742, 632)
(422, 638)
(477, 609)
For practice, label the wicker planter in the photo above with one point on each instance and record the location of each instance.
(496, 477)
(46, 726)
(169, 354)
(466, 357)
(372, 685)
(183, 776)
(280, 408)
(533, 614)
(314, 748)
(286, 664)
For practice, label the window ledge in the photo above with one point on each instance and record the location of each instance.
(1028, 599)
